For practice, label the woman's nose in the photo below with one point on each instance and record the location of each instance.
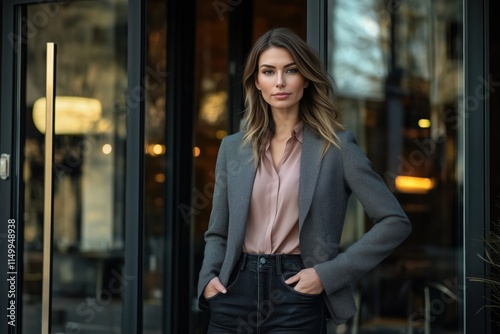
(280, 82)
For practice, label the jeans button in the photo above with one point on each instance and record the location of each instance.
(262, 260)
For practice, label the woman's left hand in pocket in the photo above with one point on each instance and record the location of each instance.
(308, 282)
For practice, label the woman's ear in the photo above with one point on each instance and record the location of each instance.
(306, 84)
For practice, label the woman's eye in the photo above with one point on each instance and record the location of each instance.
(267, 72)
(292, 70)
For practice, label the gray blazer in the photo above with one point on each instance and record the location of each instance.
(325, 186)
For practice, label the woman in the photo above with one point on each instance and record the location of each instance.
(272, 261)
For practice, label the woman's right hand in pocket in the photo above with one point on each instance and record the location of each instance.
(213, 287)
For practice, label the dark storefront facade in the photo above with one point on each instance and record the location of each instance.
(144, 93)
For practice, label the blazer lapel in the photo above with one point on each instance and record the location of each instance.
(310, 163)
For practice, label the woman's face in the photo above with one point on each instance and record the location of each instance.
(279, 80)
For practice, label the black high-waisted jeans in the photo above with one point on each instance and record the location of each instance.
(259, 301)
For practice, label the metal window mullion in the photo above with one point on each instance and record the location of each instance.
(134, 188)
(6, 141)
(475, 198)
(317, 27)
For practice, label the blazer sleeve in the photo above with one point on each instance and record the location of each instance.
(216, 234)
(391, 225)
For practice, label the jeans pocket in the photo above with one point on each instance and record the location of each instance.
(291, 287)
(233, 279)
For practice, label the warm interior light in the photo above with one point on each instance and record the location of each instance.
(213, 107)
(107, 148)
(414, 185)
(424, 123)
(196, 151)
(219, 134)
(160, 177)
(157, 149)
(74, 115)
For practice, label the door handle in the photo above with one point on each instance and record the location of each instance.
(4, 166)
(48, 203)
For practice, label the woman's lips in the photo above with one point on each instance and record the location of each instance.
(281, 96)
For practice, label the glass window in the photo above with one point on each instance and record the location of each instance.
(279, 13)
(89, 164)
(211, 122)
(397, 70)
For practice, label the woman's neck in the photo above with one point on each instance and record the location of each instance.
(284, 125)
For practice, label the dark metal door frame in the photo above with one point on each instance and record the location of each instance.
(9, 188)
(475, 190)
(134, 188)
(317, 27)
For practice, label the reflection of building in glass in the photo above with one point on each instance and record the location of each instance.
(358, 48)
(392, 67)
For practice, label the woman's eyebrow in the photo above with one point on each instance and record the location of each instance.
(271, 66)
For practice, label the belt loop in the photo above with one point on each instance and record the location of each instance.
(242, 261)
(278, 265)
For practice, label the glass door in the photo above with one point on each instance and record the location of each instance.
(87, 193)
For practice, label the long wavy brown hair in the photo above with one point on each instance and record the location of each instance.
(316, 108)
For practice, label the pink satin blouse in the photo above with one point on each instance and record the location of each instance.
(273, 221)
